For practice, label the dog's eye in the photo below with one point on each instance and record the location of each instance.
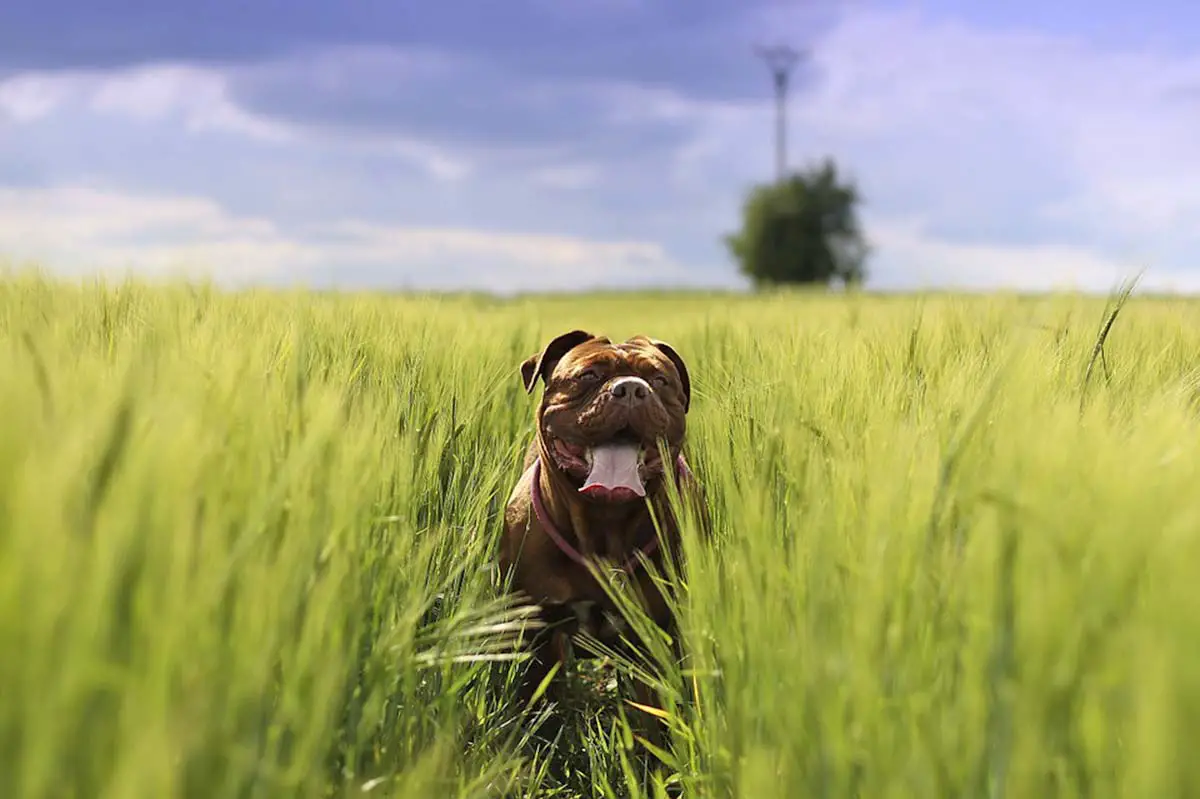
(589, 376)
(660, 381)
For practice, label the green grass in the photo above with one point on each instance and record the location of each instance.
(244, 547)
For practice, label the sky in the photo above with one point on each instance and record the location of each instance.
(572, 144)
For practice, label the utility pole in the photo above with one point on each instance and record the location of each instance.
(781, 60)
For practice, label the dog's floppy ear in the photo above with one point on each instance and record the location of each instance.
(543, 363)
(681, 367)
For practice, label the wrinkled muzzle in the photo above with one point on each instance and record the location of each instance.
(612, 444)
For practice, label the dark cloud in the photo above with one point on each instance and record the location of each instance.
(467, 104)
(701, 46)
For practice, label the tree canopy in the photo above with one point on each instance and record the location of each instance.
(801, 229)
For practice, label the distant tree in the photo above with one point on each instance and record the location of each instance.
(802, 229)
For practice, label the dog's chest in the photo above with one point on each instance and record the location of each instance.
(591, 605)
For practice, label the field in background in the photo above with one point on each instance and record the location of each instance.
(947, 565)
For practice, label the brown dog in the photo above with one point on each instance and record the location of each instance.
(590, 473)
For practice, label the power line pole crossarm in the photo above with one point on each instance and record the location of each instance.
(781, 60)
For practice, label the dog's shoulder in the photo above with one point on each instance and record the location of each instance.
(519, 509)
(518, 518)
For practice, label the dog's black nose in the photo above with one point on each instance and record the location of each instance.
(630, 389)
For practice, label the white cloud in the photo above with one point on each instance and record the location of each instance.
(76, 230)
(538, 253)
(198, 98)
(916, 259)
(437, 162)
(27, 98)
(502, 262)
(567, 176)
(1117, 123)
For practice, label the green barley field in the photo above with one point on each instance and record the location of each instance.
(245, 537)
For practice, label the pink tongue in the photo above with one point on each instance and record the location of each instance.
(614, 471)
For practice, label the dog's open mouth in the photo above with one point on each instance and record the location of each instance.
(613, 471)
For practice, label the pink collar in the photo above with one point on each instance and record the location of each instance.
(539, 510)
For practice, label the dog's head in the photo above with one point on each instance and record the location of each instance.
(605, 408)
